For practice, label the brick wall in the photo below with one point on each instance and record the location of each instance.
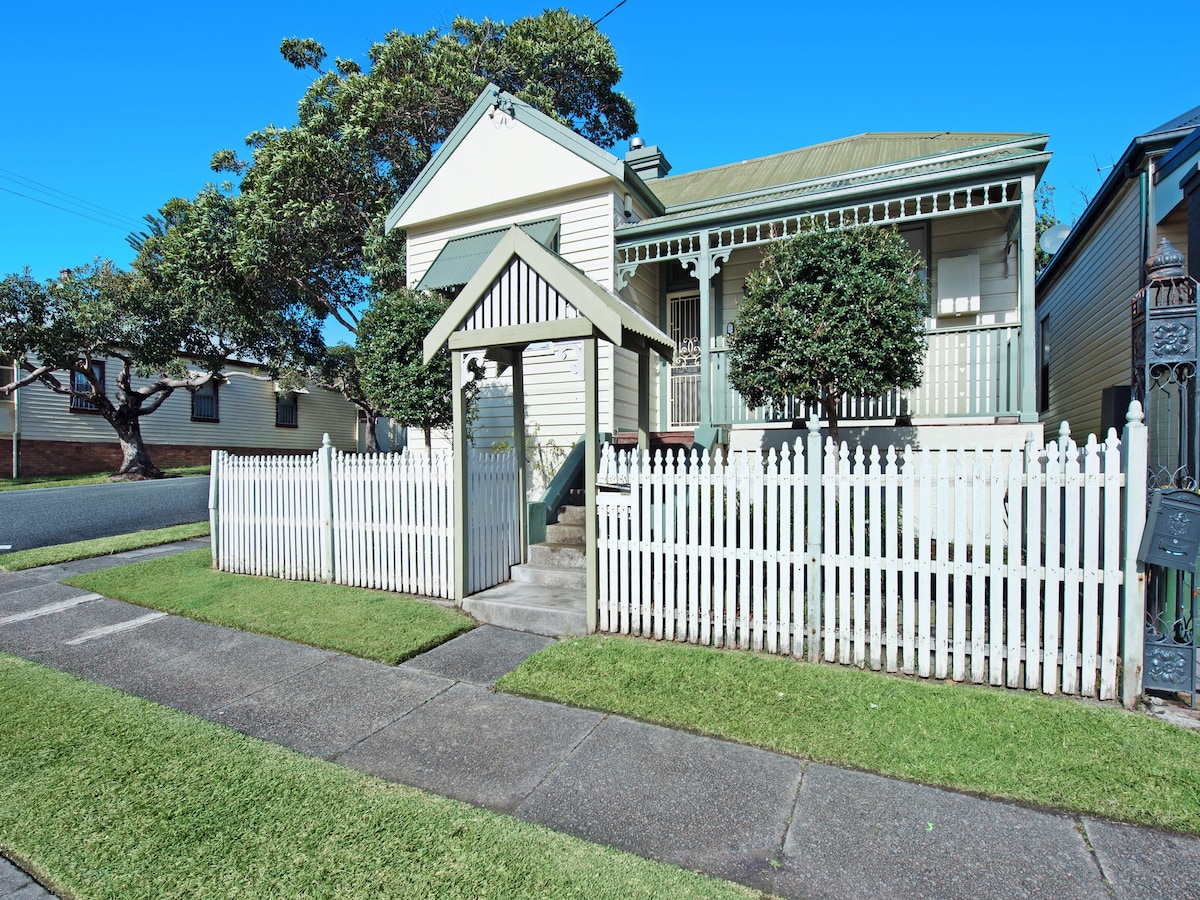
(85, 457)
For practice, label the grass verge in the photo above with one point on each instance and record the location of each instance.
(371, 624)
(108, 795)
(45, 481)
(60, 553)
(1048, 751)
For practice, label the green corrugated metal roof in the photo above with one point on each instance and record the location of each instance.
(723, 204)
(462, 256)
(863, 151)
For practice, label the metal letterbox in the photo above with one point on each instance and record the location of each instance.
(1172, 535)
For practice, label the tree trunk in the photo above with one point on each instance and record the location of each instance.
(372, 436)
(135, 458)
(428, 429)
(830, 400)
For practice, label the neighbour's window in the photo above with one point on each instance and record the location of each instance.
(204, 403)
(285, 410)
(80, 385)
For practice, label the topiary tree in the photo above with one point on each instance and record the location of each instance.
(389, 354)
(830, 313)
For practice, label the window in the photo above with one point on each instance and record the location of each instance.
(80, 385)
(285, 410)
(204, 403)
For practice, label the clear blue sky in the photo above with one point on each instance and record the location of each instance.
(121, 105)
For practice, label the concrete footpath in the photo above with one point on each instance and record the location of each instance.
(782, 825)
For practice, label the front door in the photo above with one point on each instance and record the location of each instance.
(684, 325)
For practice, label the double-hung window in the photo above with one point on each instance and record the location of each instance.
(81, 386)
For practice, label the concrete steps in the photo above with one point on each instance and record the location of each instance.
(548, 594)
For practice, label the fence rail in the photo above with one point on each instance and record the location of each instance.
(1004, 566)
(383, 521)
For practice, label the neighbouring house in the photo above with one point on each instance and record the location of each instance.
(1093, 296)
(52, 434)
(675, 249)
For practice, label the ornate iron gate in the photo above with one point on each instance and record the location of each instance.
(1165, 363)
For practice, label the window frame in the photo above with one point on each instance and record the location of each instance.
(292, 400)
(77, 404)
(216, 401)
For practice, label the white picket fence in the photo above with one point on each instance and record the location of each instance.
(383, 521)
(1004, 567)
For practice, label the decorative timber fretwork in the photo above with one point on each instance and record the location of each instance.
(519, 296)
(722, 240)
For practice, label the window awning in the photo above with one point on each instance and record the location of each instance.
(462, 256)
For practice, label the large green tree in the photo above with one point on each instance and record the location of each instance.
(61, 329)
(304, 220)
(830, 313)
(389, 357)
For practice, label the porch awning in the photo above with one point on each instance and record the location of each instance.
(462, 256)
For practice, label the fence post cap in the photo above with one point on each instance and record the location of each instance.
(325, 442)
(1135, 414)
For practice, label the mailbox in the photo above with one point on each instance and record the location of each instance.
(1172, 535)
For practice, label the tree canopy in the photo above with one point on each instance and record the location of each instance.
(59, 330)
(830, 313)
(305, 222)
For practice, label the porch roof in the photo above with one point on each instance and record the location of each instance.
(571, 305)
(1025, 151)
(462, 256)
(847, 157)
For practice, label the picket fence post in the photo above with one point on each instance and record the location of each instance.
(214, 512)
(813, 539)
(325, 495)
(1134, 614)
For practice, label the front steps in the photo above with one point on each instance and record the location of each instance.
(548, 594)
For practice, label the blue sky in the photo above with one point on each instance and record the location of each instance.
(121, 105)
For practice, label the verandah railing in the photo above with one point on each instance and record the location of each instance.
(969, 372)
(1012, 566)
(381, 521)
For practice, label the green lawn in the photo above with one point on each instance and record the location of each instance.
(107, 795)
(44, 481)
(1050, 751)
(375, 625)
(60, 553)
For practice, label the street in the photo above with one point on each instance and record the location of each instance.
(44, 516)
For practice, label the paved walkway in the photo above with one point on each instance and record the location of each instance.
(790, 827)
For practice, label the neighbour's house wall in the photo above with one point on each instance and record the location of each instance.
(246, 410)
(1088, 306)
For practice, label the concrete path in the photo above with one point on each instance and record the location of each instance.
(786, 826)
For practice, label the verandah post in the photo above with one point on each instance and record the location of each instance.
(325, 478)
(1134, 608)
(812, 539)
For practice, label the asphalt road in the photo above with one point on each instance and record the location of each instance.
(43, 516)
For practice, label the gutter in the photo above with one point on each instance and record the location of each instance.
(629, 233)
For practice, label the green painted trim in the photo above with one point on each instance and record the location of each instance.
(443, 153)
(560, 485)
(459, 257)
(708, 436)
(612, 318)
(535, 515)
(687, 223)
(558, 330)
(543, 125)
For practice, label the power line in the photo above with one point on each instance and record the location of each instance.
(27, 182)
(66, 209)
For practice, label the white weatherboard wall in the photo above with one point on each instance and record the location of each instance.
(553, 377)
